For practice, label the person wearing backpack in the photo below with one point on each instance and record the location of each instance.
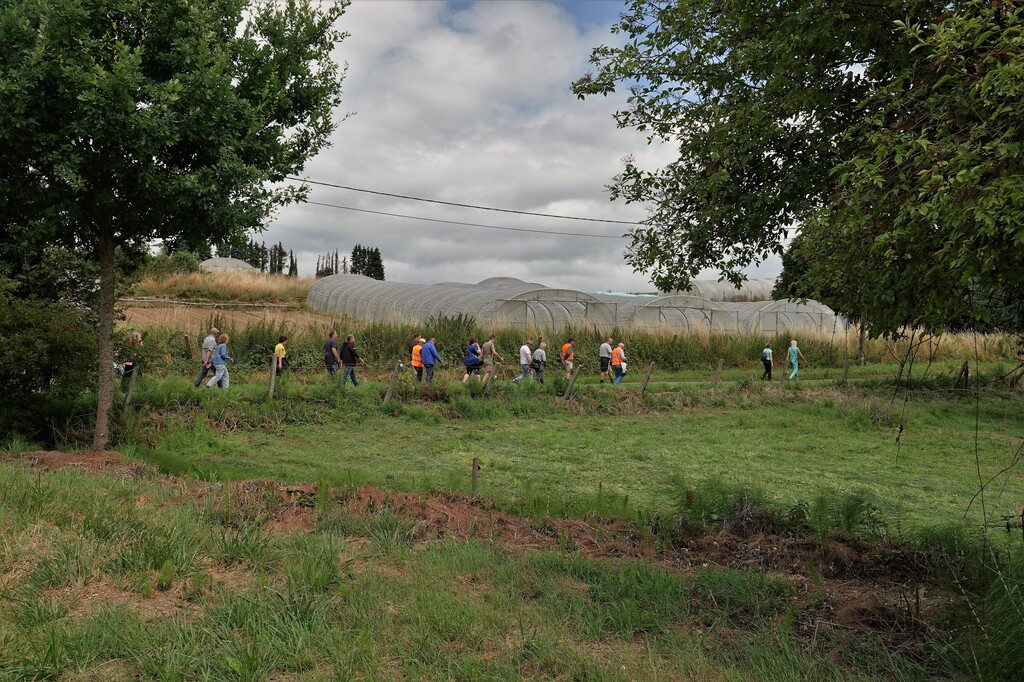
(766, 360)
(539, 361)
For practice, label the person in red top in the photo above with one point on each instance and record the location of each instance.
(568, 353)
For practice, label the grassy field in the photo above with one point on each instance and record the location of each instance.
(121, 576)
(128, 574)
(537, 451)
(269, 559)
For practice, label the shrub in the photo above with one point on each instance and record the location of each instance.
(48, 355)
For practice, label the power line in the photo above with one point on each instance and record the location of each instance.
(456, 222)
(453, 203)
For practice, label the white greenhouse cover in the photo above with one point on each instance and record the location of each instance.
(506, 301)
(225, 264)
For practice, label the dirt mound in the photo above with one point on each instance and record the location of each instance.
(462, 517)
(52, 459)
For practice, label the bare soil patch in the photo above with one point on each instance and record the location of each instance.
(94, 596)
(54, 459)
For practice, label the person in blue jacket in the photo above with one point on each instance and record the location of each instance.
(220, 361)
(473, 362)
(430, 357)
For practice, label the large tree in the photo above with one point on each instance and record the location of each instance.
(926, 223)
(888, 131)
(756, 96)
(129, 120)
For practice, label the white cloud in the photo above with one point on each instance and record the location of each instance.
(471, 103)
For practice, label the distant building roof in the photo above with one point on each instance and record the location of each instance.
(225, 264)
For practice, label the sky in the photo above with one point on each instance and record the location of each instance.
(470, 102)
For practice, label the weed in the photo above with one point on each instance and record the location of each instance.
(249, 545)
(741, 597)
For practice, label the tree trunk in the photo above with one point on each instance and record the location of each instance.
(861, 340)
(105, 397)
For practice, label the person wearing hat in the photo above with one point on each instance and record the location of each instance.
(209, 344)
(525, 358)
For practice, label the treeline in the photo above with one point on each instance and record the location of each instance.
(364, 261)
(271, 260)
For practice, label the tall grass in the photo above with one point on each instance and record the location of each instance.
(242, 287)
(384, 344)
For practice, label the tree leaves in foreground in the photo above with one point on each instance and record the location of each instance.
(756, 96)
(889, 130)
(130, 120)
(926, 227)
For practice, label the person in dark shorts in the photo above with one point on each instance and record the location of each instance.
(605, 354)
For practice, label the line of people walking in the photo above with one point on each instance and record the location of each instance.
(479, 360)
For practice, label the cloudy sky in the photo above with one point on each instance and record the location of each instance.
(469, 101)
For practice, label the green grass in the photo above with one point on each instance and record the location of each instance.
(328, 605)
(539, 457)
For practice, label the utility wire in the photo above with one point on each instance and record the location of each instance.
(456, 222)
(453, 203)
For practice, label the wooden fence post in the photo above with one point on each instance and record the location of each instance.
(643, 386)
(273, 374)
(475, 473)
(136, 370)
(391, 384)
(572, 381)
(718, 374)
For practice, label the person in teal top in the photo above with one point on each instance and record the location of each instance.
(794, 357)
(766, 360)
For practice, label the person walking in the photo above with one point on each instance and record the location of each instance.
(349, 359)
(331, 356)
(472, 360)
(430, 357)
(767, 361)
(568, 353)
(605, 355)
(794, 360)
(281, 354)
(489, 353)
(220, 360)
(416, 359)
(206, 352)
(619, 362)
(540, 360)
(134, 344)
(525, 358)
(416, 341)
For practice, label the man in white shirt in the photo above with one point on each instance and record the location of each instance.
(605, 353)
(209, 343)
(525, 358)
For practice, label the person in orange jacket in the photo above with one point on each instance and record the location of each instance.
(619, 362)
(568, 353)
(417, 358)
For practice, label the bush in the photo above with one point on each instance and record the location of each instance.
(161, 266)
(47, 357)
